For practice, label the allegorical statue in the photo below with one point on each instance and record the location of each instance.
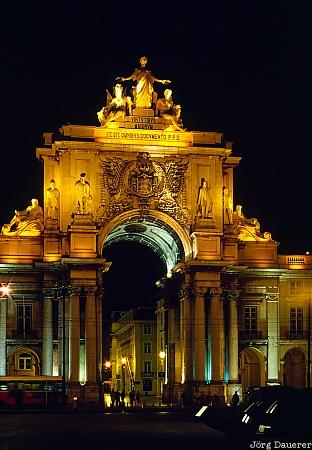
(143, 92)
(116, 107)
(28, 222)
(169, 111)
(248, 229)
(204, 202)
(83, 196)
(53, 200)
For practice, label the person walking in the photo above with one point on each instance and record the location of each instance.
(138, 398)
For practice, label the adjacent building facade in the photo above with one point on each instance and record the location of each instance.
(234, 313)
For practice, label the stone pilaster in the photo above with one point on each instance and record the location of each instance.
(273, 336)
(217, 336)
(3, 331)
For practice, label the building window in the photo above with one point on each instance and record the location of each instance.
(147, 385)
(24, 361)
(147, 347)
(147, 366)
(24, 319)
(296, 322)
(147, 329)
(250, 320)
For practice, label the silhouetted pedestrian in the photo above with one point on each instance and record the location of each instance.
(235, 399)
(122, 398)
(138, 398)
(113, 397)
(117, 398)
(132, 397)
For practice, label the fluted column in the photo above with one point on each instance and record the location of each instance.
(74, 338)
(3, 331)
(233, 336)
(199, 332)
(273, 337)
(185, 330)
(217, 336)
(47, 337)
(90, 322)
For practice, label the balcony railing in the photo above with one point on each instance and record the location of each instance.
(147, 374)
(20, 334)
(297, 334)
(250, 335)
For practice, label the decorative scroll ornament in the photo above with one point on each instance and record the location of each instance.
(28, 222)
(145, 184)
(248, 229)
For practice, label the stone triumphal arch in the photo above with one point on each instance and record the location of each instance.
(138, 175)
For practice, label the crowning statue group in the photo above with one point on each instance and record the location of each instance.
(143, 98)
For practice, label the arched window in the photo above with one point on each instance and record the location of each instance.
(24, 361)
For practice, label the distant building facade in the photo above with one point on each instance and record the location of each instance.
(234, 313)
(133, 353)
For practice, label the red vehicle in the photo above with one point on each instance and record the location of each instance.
(38, 391)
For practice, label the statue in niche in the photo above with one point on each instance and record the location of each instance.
(116, 107)
(248, 229)
(83, 196)
(204, 201)
(53, 200)
(143, 91)
(169, 111)
(28, 222)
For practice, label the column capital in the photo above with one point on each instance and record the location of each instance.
(233, 294)
(216, 291)
(200, 290)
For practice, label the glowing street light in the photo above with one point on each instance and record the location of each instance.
(5, 291)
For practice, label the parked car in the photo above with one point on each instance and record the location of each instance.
(279, 412)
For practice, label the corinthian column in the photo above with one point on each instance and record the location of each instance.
(199, 333)
(185, 330)
(217, 336)
(233, 336)
(91, 343)
(47, 337)
(74, 338)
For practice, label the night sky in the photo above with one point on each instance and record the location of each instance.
(240, 68)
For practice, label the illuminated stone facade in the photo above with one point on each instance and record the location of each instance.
(239, 315)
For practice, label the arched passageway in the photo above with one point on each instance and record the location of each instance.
(295, 368)
(252, 368)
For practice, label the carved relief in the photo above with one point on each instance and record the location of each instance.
(144, 184)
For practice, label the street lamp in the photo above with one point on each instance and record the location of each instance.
(162, 356)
